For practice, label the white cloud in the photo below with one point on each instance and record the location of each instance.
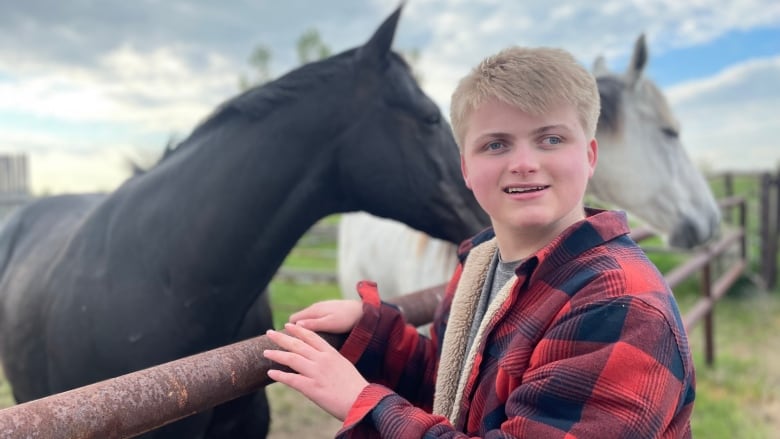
(463, 32)
(153, 77)
(155, 90)
(729, 120)
(56, 171)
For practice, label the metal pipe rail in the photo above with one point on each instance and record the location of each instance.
(141, 401)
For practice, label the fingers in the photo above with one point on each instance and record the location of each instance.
(305, 314)
(311, 338)
(293, 353)
(315, 311)
(291, 341)
(332, 316)
(294, 380)
(301, 348)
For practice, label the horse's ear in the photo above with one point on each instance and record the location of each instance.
(600, 66)
(638, 60)
(380, 44)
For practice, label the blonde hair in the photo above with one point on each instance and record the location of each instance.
(535, 80)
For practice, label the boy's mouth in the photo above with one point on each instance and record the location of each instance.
(525, 189)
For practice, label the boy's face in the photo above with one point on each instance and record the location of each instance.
(529, 173)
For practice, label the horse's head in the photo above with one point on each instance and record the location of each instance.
(643, 167)
(401, 160)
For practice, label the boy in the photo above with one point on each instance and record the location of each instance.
(554, 325)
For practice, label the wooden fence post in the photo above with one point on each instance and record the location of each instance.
(774, 233)
(770, 229)
(709, 318)
(728, 188)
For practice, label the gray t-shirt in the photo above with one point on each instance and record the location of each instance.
(498, 275)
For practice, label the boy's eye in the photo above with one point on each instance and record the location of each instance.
(493, 146)
(553, 140)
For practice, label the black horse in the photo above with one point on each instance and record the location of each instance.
(175, 261)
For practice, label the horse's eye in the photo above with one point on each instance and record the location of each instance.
(433, 118)
(670, 132)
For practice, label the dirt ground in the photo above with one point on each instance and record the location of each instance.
(295, 417)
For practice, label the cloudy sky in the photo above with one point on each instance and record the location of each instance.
(85, 85)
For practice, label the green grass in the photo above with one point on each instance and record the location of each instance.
(289, 297)
(737, 395)
(311, 260)
(312, 254)
(6, 398)
(732, 394)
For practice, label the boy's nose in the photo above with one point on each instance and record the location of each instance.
(523, 160)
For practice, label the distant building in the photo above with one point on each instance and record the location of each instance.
(14, 183)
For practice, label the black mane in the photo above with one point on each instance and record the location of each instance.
(256, 102)
(260, 100)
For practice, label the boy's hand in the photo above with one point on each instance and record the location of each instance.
(320, 372)
(331, 316)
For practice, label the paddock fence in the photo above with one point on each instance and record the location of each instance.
(141, 401)
(768, 200)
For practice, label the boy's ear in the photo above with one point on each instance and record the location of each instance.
(593, 155)
(464, 171)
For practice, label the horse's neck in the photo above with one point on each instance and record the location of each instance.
(238, 218)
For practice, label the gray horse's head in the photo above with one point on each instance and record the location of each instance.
(643, 167)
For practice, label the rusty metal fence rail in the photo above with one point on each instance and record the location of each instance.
(138, 402)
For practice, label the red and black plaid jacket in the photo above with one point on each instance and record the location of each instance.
(588, 343)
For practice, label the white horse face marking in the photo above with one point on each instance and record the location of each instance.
(643, 167)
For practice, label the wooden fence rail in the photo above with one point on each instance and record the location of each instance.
(768, 217)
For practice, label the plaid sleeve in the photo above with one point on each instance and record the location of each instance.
(381, 413)
(391, 353)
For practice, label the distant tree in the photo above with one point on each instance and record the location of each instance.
(310, 47)
(260, 60)
(412, 57)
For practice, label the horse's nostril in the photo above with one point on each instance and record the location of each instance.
(687, 235)
(690, 233)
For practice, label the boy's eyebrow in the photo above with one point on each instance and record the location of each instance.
(494, 135)
(548, 128)
(538, 131)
